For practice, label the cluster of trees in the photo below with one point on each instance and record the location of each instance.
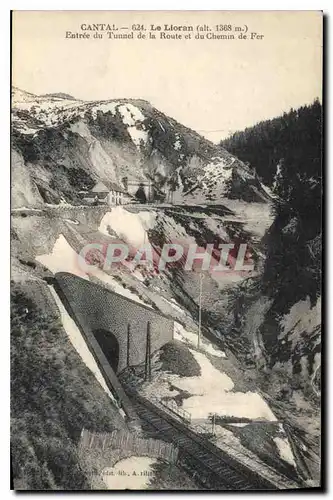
(294, 138)
(293, 264)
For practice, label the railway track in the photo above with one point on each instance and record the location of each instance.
(208, 465)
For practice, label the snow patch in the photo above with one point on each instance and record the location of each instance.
(47, 110)
(256, 217)
(291, 227)
(217, 169)
(130, 114)
(78, 342)
(174, 305)
(215, 226)
(138, 136)
(104, 108)
(132, 117)
(138, 275)
(278, 175)
(268, 190)
(133, 473)
(73, 221)
(81, 129)
(211, 392)
(284, 450)
(177, 145)
(183, 335)
(62, 259)
(30, 209)
(130, 227)
(212, 182)
(301, 318)
(102, 162)
(239, 424)
(64, 203)
(160, 124)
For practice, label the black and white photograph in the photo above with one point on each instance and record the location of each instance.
(166, 250)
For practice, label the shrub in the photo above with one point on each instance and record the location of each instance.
(177, 358)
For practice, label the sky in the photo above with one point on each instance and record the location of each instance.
(212, 86)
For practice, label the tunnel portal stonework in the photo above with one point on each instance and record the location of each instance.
(95, 309)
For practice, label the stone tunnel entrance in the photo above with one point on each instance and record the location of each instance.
(109, 345)
(104, 316)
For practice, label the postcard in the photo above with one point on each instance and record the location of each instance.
(166, 243)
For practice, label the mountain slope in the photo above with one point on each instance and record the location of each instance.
(53, 395)
(268, 323)
(281, 315)
(67, 145)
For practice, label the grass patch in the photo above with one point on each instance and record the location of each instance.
(258, 438)
(53, 395)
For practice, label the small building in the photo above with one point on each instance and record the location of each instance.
(140, 189)
(108, 193)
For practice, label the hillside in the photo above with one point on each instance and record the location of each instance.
(62, 146)
(264, 325)
(53, 395)
(281, 311)
(293, 139)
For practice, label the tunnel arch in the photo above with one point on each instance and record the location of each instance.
(110, 346)
(95, 308)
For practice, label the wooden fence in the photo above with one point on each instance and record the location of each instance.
(127, 444)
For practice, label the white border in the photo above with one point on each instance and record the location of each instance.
(167, 5)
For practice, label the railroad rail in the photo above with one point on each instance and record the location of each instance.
(209, 465)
